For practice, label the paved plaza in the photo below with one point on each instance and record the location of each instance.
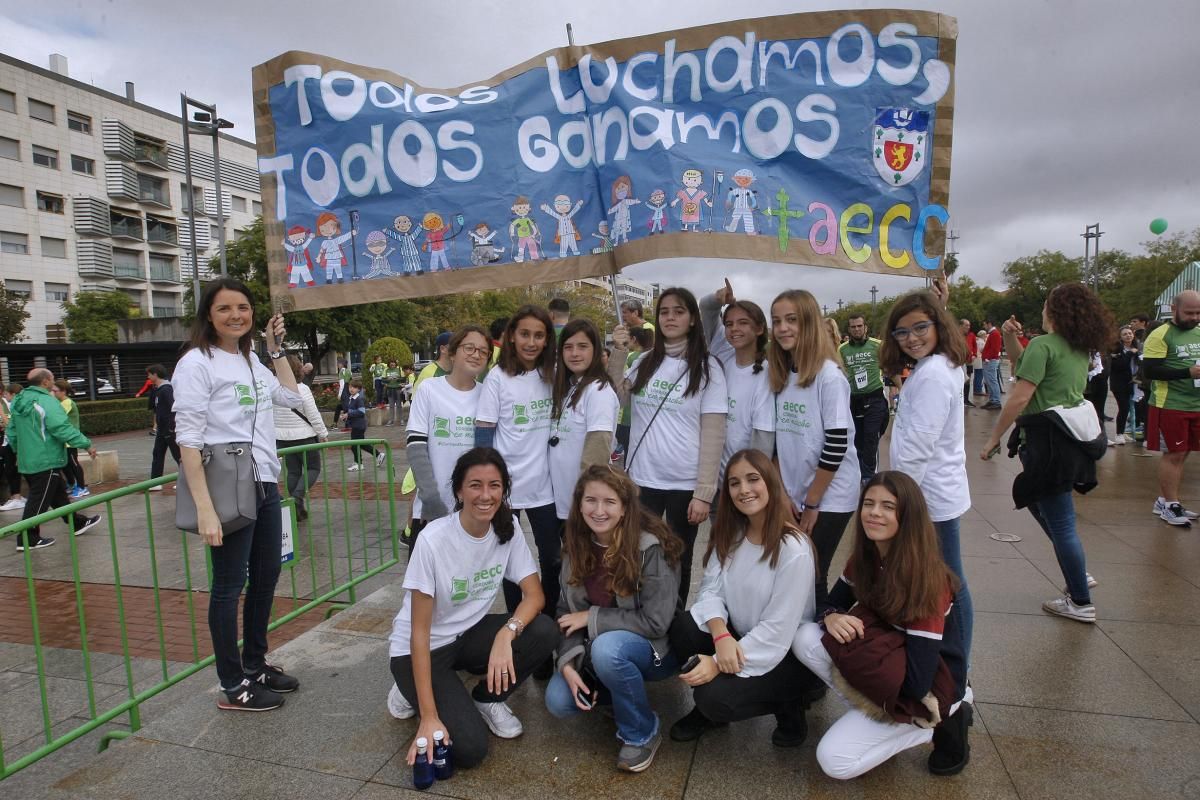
(1063, 710)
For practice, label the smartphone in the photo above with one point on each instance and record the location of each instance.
(995, 451)
(690, 665)
(584, 698)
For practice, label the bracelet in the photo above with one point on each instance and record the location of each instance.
(806, 506)
(722, 636)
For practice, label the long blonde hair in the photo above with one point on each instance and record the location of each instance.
(813, 343)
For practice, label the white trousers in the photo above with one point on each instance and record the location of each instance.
(855, 744)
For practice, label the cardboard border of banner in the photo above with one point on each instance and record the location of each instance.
(672, 245)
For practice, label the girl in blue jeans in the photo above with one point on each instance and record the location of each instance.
(620, 580)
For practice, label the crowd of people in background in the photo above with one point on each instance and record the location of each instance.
(765, 423)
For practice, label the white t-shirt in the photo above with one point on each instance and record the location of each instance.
(802, 415)
(667, 456)
(216, 404)
(928, 438)
(751, 402)
(520, 407)
(462, 574)
(764, 605)
(596, 411)
(447, 416)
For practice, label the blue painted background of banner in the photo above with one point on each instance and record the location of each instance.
(847, 175)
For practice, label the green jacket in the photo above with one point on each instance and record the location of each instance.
(41, 433)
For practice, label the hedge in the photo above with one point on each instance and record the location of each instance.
(104, 406)
(100, 423)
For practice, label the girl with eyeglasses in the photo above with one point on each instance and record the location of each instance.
(927, 437)
(583, 418)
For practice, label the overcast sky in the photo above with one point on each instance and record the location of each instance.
(1068, 112)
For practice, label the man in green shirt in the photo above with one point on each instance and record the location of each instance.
(439, 366)
(393, 379)
(560, 315)
(378, 371)
(868, 404)
(1171, 361)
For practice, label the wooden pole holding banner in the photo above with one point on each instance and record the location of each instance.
(612, 278)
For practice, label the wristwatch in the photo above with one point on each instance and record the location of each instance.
(278, 354)
(515, 625)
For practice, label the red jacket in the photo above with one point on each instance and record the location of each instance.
(993, 346)
(972, 344)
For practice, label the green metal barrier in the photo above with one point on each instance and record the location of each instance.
(345, 540)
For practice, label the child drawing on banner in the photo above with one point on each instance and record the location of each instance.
(410, 257)
(378, 251)
(741, 201)
(299, 261)
(691, 195)
(523, 231)
(331, 256)
(622, 189)
(483, 249)
(602, 234)
(566, 236)
(436, 231)
(658, 211)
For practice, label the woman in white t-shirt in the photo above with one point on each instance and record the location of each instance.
(441, 424)
(814, 429)
(739, 342)
(928, 435)
(224, 394)
(677, 398)
(453, 576)
(583, 416)
(514, 417)
(756, 592)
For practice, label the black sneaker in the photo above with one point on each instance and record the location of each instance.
(275, 679)
(301, 511)
(791, 727)
(45, 541)
(89, 523)
(691, 727)
(249, 696)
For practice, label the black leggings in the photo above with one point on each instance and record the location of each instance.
(547, 536)
(1123, 392)
(74, 469)
(826, 535)
(11, 474)
(674, 504)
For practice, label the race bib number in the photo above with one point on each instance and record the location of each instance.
(860, 379)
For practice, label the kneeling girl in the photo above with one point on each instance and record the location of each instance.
(453, 576)
(620, 580)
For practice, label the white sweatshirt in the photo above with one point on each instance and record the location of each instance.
(215, 404)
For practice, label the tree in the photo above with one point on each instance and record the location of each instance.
(1030, 280)
(12, 316)
(92, 316)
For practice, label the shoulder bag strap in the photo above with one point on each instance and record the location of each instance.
(634, 452)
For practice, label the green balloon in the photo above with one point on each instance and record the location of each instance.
(1158, 226)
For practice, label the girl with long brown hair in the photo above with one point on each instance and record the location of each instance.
(888, 643)
(513, 416)
(678, 401)
(620, 579)
(583, 417)
(813, 425)
(1051, 378)
(757, 589)
(928, 439)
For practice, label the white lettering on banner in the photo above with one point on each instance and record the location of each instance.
(597, 94)
(631, 87)
(276, 166)
(297, 75)
(767, 144)
(374, 173)
(890, 37)
(766, 50)
(447, 141)
(850, 73)
(744, 50)
(322, 190)
(416, 169)
(809, 110)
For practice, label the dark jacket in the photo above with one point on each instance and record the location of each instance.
(647, 612)
(1054, 460)
(356, 411)
(162, 400)
(870, 672)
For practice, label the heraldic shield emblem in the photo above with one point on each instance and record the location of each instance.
(900, 144)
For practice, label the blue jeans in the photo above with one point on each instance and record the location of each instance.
(991, 377)
(964, 608)
(1056, 515)
(623, 661)
(253, 552)
(977, 378)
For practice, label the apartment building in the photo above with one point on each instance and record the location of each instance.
(93, 195)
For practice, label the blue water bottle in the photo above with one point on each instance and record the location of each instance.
(443, 759)
(422, 767)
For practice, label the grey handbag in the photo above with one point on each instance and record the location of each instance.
(232, 484)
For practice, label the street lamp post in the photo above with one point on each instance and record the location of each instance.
(206, 121)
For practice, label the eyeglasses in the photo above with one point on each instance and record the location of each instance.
(471, 349)
(920, 330)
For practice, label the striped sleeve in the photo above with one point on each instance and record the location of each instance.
(837, 441)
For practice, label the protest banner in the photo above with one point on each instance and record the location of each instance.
(820, 139)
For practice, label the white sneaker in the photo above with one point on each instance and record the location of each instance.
(380, 458)
(13, 504)
(397, 706)
(1175, 514)
(500, 719)
(353, 468)
(1065, 607)
(1121, 439)
(1112, 442)
(155, 489)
